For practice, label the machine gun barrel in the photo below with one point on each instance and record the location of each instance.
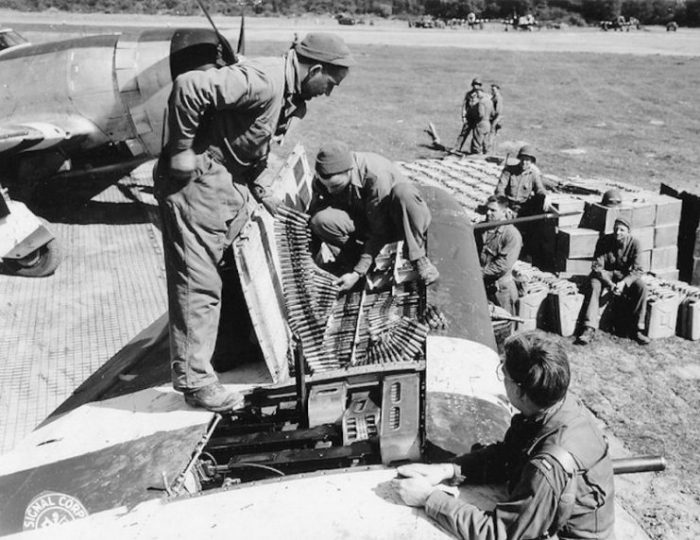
(638, 464)
(537, 217)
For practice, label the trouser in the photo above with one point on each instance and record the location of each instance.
(503, 293)
(409, 220)
(200, 218)
(479, 138)
(634, 304)
(491, 138)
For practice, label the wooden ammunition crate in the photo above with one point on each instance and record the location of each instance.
(645, 236)
(668, 210)
(643, 214)
(663, 258)
(576, 243)
(565, 204)
(602, 218)
(574, 267)
(666, 235)
(645, 260)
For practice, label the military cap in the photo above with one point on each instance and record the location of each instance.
(612, 197)
(527, 151)
(476, 81)
(327, 48)
(627, 222)
(333, 158)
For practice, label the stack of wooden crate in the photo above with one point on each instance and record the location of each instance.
(654, 220)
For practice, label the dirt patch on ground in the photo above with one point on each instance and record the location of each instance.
(648, 397)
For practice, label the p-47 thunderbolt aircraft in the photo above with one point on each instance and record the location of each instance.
(345, 386)
(96, 100)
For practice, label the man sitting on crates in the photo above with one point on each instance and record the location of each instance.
(617, 268)
(499, 248)
(362, 201)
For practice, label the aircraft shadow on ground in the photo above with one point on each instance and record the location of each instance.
(72, 201)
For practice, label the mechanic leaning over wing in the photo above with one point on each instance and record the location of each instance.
(362, 201)
(554, 459)
(221, 123)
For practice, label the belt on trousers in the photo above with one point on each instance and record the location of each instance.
(240, 170)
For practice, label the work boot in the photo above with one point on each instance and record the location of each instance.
(214, 397)
(426, 270)
(586, 336)
(640, 338)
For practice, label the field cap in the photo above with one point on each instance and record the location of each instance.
(327, 48)
(624, 221)
(612, 197)
(527, 151)
(333, 158)
(476, 81)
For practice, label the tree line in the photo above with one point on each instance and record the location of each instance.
(576, 12)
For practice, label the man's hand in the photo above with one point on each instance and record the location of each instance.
(434, 474)
(413, 491)
(347, 281)
(183, 164)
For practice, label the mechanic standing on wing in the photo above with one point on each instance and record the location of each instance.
(554, 459)
(221, 123)
(362, 201)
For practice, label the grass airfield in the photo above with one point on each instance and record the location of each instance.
(594, 104)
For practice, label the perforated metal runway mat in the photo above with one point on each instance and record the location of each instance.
(56, 331)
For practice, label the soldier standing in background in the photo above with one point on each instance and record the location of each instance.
(521, 183)
(499, 249)
(496, 115)
(476, 114)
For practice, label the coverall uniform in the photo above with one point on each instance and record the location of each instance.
(615, 262)
(525, 192)
(228, 117)
(378, 206)
(529, 460)
(476, 114)
(499, 248)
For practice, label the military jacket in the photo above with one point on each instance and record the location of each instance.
(519, 185)
(235, 110)
(536, 481)
(615, 261)
(366, 200)
(499, 248)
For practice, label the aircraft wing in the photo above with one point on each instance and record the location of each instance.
(33, 136)
(104, 455)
